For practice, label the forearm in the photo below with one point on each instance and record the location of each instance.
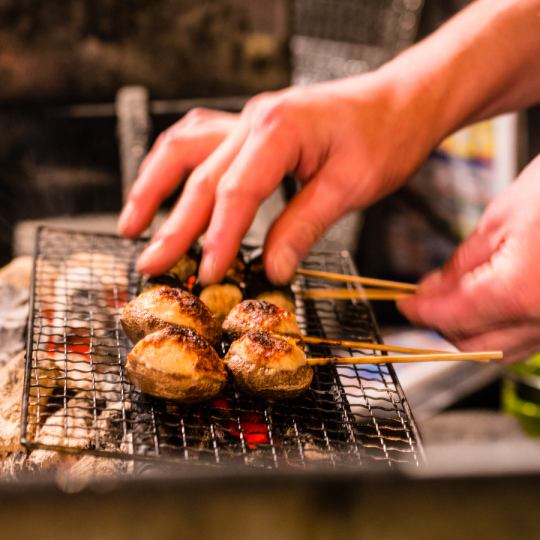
(483, 62)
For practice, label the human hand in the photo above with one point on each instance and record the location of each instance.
(488, 295)
(347, 142)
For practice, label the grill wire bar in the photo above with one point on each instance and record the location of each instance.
(77, 397)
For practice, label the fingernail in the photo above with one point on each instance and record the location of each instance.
(282, 265)
(207, 269)
(431, 282)
(149, 256)
(125, 221)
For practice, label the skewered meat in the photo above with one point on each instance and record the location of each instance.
(220, 298)
(166, 306)
(178, 275)
(259, 286)
(176, 363)
(278, 298)
(270, 366)
(260, 315)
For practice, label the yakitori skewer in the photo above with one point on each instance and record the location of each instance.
(352, 294)
(371, 282)
(483, 357)
(313, 340)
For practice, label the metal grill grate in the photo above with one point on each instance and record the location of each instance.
(77, 397)
(339, 38)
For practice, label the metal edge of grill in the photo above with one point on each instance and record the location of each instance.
(408, 423)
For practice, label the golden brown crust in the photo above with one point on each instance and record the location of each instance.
(260, 315)
(220, 298)
(278, 298)
(176, 363)
(163, 306)
(269, 366)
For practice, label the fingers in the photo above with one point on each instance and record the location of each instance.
(255, 173)
(480, 299)
(176, 152)
(191, 214)
(517, 342)
(473, 252)
(306, 218)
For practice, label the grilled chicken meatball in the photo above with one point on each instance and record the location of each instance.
(269, 366)
(177, 276)
(176, 363)
(166, 306)
(259, 286)
(259, 315)
(220, 298)
(278, 298)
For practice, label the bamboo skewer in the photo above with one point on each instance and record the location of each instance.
(483, 357)
(372, 282)
(351, 294)
(313, 340)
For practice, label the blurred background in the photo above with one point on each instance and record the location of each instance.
(87, 85)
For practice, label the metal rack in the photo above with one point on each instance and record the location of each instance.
(339, 38)
(77, 397)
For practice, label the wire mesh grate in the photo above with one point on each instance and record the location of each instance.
(340, 38)
(78, 399)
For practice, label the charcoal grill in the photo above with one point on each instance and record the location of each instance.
(77, 397)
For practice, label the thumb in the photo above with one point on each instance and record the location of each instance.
(473, 252)
(464, 295)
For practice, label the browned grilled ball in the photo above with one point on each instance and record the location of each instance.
(269, 366)
(164, 306)
(220, 298)
(260, 315)
(176, 363)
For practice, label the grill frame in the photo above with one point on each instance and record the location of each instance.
(268, 457)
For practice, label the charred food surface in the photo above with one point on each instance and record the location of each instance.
(260, 315)
(176, 363)
(269, 366)
(164, 306)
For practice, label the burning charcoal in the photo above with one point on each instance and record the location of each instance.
(71, 427)
(11, 387)
(88, 469)
(110, 430)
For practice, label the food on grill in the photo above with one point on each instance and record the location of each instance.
(220, 298)
(260, 315)
(237, 271)
(179, 275)
(176, 363)
(258, 286)
(164, 306)
(278, 298)
(269, 366)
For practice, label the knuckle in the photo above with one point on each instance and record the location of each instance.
(200, 180)
(255, 102)
(228, 192)
(270, 111)
(169, 138)
(196, 116)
